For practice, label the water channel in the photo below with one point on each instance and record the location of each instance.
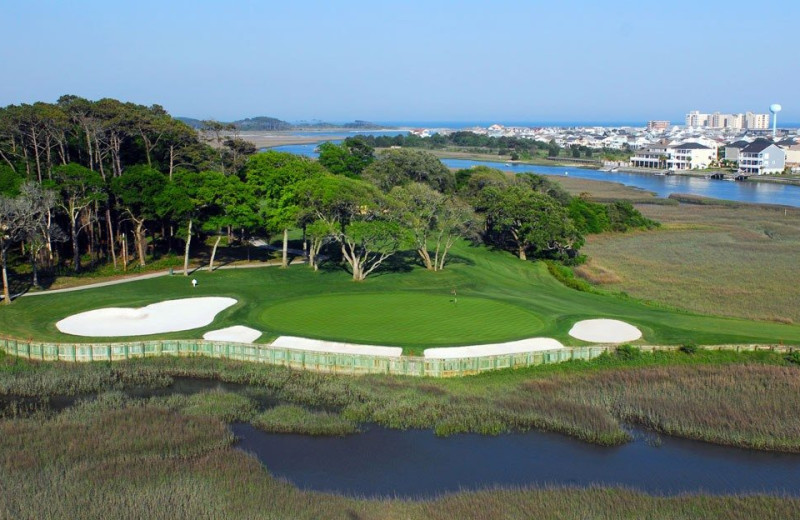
(417, 464)
(663, 186)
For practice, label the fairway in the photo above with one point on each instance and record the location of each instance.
(403, 318)
(500, 298)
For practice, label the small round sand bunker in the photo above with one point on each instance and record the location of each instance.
(605, 331)
(166, 316)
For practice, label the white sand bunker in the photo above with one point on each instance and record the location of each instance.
(237, 334)
(335, 347)
(166, 316)
(522, 346)
(605, 331)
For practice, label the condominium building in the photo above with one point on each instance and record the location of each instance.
(746, 121)
(756, 121)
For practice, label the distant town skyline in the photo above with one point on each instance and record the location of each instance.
(579, 61)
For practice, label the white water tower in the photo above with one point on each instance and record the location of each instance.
(775, 108)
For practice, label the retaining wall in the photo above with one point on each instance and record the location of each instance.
(320, 361)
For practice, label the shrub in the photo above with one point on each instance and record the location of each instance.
(793, 357)
(628, 352)
(689, 348)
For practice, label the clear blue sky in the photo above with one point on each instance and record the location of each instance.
(408, 60)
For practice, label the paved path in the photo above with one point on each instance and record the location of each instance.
(151, 275)
(257, 243)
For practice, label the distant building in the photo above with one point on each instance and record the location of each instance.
(756, 121)
(761, 157)
(657, 126)
(691, 156)
(718, 121)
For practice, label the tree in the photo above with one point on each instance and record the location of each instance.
(349, 158)
(39, 229)
(13, 222)
(234, 203)
(357, 216)
(137, 192)
(528, 223)
(473, 180)
(19, 218)
(367, 243)
(432, 216)
(273, 177)
(398, 167)
(80, 189)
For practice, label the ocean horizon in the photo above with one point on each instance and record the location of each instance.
(533, 124)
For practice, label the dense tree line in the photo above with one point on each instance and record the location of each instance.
(516, 147)
(111, 182)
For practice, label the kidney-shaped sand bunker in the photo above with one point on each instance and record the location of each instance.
(166, 316)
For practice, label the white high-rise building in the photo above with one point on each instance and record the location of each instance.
(747, 121)
(756, 121)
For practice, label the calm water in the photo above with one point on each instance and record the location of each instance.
(416, 464)
(663, 186)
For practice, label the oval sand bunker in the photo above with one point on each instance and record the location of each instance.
(166, 316)
(605, 331)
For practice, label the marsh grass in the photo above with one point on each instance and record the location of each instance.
(717, 259)
(296, 419)
(740, 399)
(114, 456)
(227, 483)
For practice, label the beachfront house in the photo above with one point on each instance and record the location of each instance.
(761, 157)
(691, 156)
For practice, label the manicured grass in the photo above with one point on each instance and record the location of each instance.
(477, 274)
(404, 318)
(735, 261)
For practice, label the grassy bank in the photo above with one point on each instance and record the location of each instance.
(494, 157)
(729, 259)
(741, 399)
(604, 191)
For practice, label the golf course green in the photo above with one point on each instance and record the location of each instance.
(500, 298)
(372, 317)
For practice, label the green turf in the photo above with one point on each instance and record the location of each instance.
(409, 318)
(307, 302)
